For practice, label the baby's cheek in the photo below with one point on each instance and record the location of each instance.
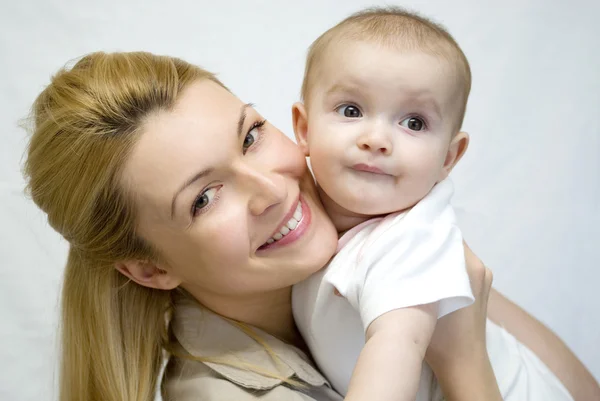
(424, 161)
(323, 167)
(328, 150)
(325, 158)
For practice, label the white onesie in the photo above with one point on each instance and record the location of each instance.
(401, 260)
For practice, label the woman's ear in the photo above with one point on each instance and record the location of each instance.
(148, 274)
(300, 123)
(456, 150)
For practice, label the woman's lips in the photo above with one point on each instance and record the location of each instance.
(296, 233)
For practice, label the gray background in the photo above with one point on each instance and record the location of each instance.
(528, 191)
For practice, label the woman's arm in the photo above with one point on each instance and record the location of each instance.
(457, 353)
(470, 379)
(546, 345)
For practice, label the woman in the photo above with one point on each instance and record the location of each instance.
(166, 187)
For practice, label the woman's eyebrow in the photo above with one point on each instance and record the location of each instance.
(243, 118)
(207, 171)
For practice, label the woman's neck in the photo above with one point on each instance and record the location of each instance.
(268, 311)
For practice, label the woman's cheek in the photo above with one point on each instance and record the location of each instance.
(293, 157)
(228, 241)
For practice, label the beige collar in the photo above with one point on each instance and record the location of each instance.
(205, 334)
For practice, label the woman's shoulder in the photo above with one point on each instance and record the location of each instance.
(217, 359)
(188, 380)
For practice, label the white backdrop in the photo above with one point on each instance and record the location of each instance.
(528, 190)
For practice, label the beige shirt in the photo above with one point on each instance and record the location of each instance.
(203, 334)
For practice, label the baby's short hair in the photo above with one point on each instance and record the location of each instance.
(396, 28)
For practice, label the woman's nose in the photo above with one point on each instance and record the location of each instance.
(266, 189)
(375, 142)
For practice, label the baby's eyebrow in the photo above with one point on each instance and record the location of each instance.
(343, 87)
(429, 103)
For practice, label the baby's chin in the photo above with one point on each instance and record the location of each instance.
(368, 209)
(369, 206)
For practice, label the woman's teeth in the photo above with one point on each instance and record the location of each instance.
(289, 226)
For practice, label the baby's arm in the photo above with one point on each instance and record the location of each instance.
(389, 365)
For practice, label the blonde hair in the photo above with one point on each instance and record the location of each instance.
(391, 27)
(85, 124)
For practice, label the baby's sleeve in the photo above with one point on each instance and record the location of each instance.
(411, 266)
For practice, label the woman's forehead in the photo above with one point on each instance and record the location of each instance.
(205, 102)
(204, 107)
(176, 143)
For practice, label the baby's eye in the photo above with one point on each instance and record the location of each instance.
(413, 123)
(348, 110)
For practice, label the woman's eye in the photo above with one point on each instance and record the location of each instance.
(413, 123)
(350, 111)
(252, 136)
(203, 200)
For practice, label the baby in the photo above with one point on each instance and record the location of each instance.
(384, 94)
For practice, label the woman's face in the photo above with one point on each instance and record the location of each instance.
(215, 185)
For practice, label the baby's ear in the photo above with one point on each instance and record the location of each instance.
(300, 122)
(456, 150)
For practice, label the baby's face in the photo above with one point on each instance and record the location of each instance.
(380, 123)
